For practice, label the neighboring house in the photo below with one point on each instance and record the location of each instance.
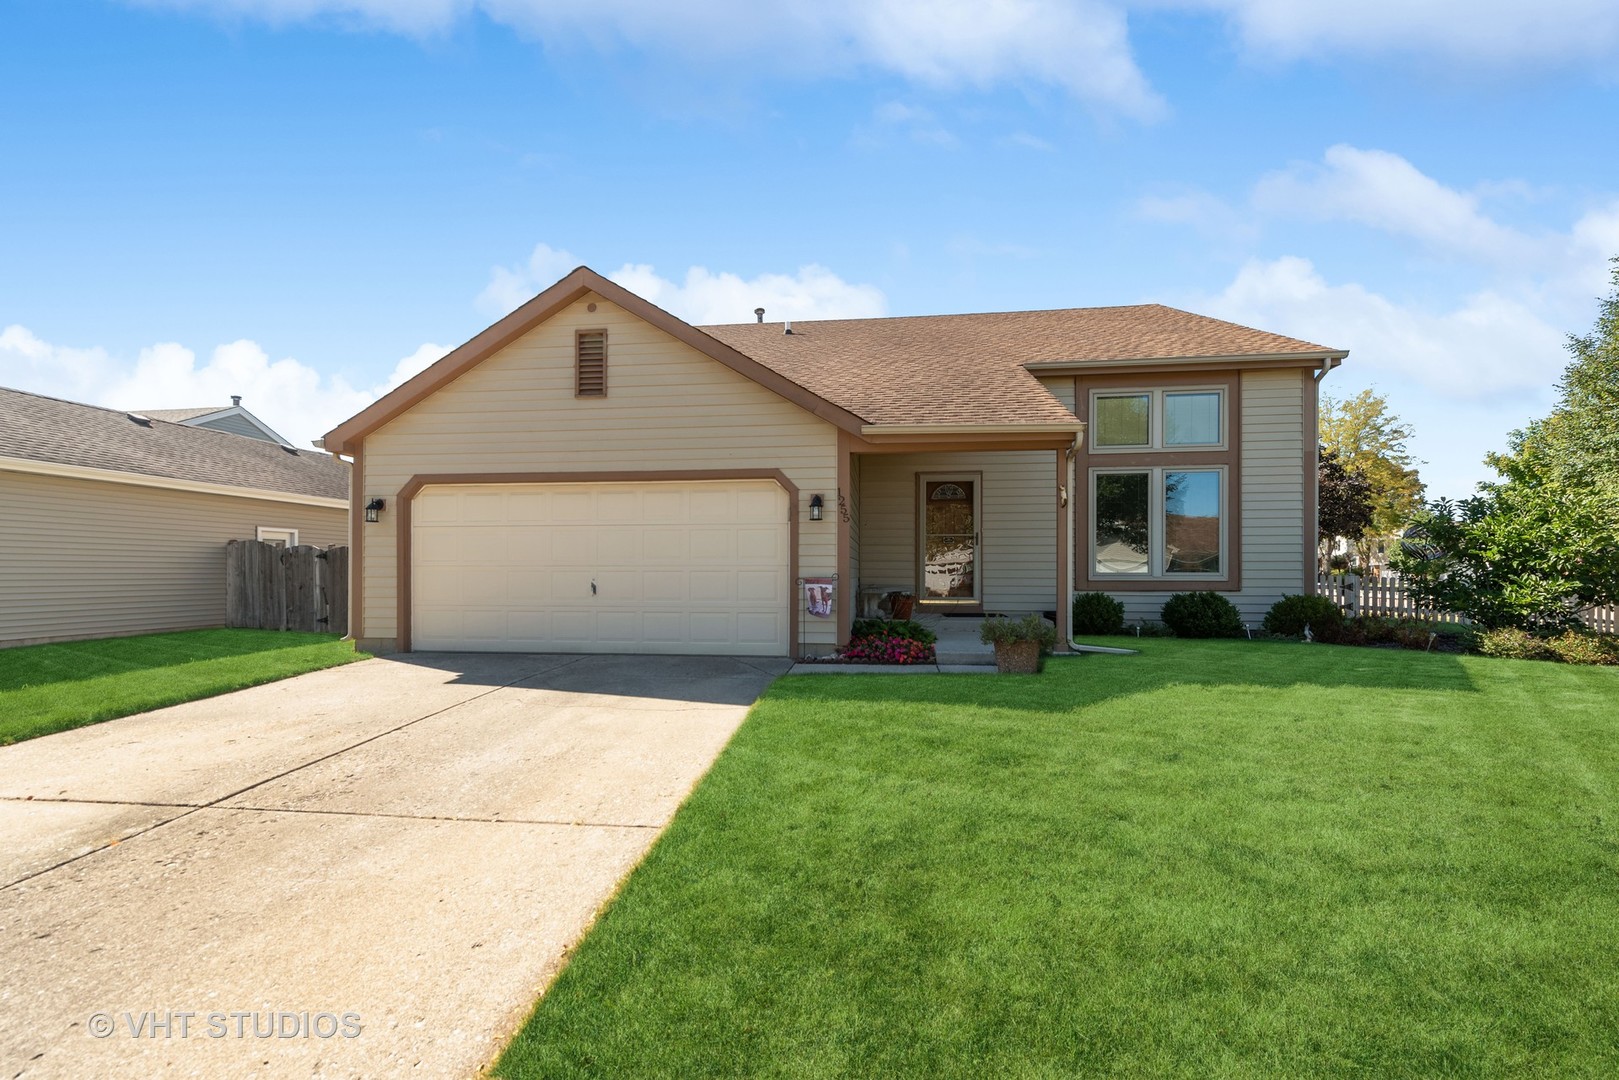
(232, 418)
(593, 474)
(115, 523)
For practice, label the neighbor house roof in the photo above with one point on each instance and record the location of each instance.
(931, 371)
(179, 416)
(951, 369)
(45, 429)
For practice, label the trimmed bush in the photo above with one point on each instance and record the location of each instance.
(1289, 616)
(1098, 613)
(1569, 647)
(1202, 615)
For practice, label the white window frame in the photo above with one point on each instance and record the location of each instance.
(1156, 525)
(1155, 419)
(287, 536)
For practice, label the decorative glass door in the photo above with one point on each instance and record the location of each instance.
(950, 538)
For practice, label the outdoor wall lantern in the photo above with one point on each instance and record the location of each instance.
(816, 505)
(373, 508)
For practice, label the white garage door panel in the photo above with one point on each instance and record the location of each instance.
(690, 567)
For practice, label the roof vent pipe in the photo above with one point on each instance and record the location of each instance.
(236, 400)
(759, 313)
(787, 327)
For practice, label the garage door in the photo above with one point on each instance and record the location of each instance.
(698, 567)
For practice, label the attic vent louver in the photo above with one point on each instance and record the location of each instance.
(143, 421)
(590, 363)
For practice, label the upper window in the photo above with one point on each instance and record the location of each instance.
(590, 363)
(1157, 419)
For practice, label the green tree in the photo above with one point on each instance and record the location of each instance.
(1344, 502)
(1542, 542)
(1370, 440)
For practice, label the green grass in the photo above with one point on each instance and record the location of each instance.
(1216, 859)
(47, 688)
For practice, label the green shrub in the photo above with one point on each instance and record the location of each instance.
(1202, 615)
(1291, 614)
(1098, 613)
(904, 629)
(1001, 631)
(1569, 647)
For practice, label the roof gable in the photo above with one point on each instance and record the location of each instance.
(232, 418)
(347, 436)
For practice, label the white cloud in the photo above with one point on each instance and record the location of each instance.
(1081, 46)
(1488, 346)
(290, 396)
(1385, 191)
(511, 286)
(1497, 33)
(703, 296)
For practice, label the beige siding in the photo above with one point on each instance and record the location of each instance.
(1061, 388)
(84, 558)
(1272, 447)
(1018, 530)
(667, 407)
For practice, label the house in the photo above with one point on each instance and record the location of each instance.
(115, 523)
(232, 418)
(591, 473)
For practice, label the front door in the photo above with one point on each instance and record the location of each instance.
(949, 527)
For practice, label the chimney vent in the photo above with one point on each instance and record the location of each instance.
(236, 400)
(759, 313)
(787, 327)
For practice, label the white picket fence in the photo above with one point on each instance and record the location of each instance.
(1359, 596)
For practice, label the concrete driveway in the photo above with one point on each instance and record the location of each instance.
(414, 842)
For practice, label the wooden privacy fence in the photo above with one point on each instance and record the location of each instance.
(269, 587)
(1360, 596)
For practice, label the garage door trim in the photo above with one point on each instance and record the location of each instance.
(407, 495)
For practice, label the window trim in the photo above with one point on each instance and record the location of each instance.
(290, 534)
(1156, 524)
(1155, 418)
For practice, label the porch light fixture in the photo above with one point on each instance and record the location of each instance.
(816, 505)
(373, 508)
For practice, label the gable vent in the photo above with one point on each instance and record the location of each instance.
(590, 363)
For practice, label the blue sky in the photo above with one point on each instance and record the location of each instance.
(304, 201)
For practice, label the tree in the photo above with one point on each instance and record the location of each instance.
(1371, 440)
(1533, 548)
(1344, 501)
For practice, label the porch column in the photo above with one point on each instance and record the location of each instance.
(844, 596)
(1065, 607)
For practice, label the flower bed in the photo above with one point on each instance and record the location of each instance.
(884, 641)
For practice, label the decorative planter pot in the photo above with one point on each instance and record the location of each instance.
(904, 606)
(1017, 657)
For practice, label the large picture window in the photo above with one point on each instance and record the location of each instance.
(1157, 419)
(1159, 522)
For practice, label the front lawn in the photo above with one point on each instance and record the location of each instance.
(1216, 859)
(46, 688)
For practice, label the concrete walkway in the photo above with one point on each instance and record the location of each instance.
(415, 842)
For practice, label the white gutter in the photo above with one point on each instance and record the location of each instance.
(1075, 427)
(118, 476)
(1049, 366)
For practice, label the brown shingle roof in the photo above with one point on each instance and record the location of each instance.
(68, 433)
(969, 369)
